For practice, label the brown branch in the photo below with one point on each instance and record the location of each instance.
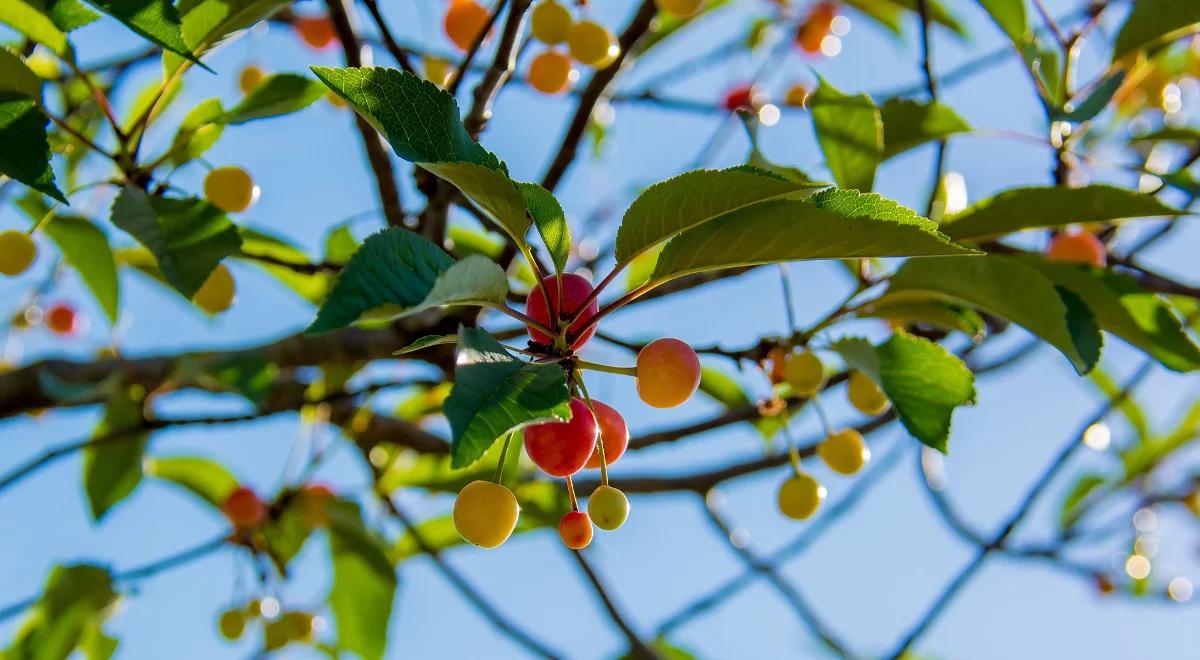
(377, 153)
(398, 53)
(637, 648)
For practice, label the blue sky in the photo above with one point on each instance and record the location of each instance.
(870, 576)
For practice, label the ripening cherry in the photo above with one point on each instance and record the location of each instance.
(551, 22)
(464, 20)
(437, 70)
(244, 509)
(805, 373)
(217, 292)
(865, 394)
(230, 189)
(249, 78)
(315, 31)
(845, 452)
(1078, 247)
(740, 97)
(485, 513)
(275, 634)
(62, 319)
(814, 28)
(561, 449)
(796, 96)
(776, 365)
(550, 72)
(17, 252)
(591, 44)
(800, 496)
(613, 431)
(608, 507)
(668, 372)
(232, 623)
(314, 498)
(575, 288)
(575, 530)
(299, 626)
(680, 8)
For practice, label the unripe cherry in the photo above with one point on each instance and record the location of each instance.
(561, 449)
(551, 22)
(865, 395)
(1077, 247)
(845, 452)
(668, 372)
(217, 292)
(17, 252)
(800, 496)
(591, 44)
(614, 433)
(62, 319)
(805, 373)
(608, 507)
(244, 509)
(575, 288)
(575, 530)
(464, 20)
(796, 96)
(485, 513)
(230, 189)
(232, 623)
(249, 78)
(680, 8)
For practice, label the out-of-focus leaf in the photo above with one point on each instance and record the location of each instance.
(364, 582)
(202, 477)
(908, 124)
(722, 388)
(112, 464)
(86, 249)
(24, 149)
(278, 94)
(1094, 104)
(850, 131)
(1152, 23)
(1085, 485)
(76, 597)
(931, 311)
(311, 286)
(1010, 16)
(199, 130)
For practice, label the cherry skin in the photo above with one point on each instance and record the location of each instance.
(591, 44)
(313, 500)
(575, 288)
(814, 28)
(1077, 247)
(796, 96)
(17, 252)
(217, 292)
(62, 319)
(232, 623)
(561, 449)
(865, 395)
(680, 8)
(805, 373)
(249, 78)
(575, 529)
(230, 189)
(550, 72)
(244, 509)
(613, 431)
(551, 22)
(740, 97)
(776, 365)
(299, 626)
(315, 31)
(845, 452)
(437, 70)
(485, 513)
(668, 372)
(800, 496)
(608, 507)
(464, 20)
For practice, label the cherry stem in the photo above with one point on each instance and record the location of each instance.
(607, 368)
(614, 306)
(816, 402)
(499, 474)
(612, 274)
(571, 494)
(587, 398)
(505, 309)
(793, 453)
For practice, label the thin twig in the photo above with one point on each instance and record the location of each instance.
(637, 647)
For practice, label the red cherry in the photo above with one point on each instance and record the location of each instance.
(739, 98)
(313, 498)
(315, 31)
(575, 529)
(575, 289)
(561, 449)
(62, 319)
(613, 431)
(244, 509)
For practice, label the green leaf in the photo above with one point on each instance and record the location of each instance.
(24, 150)
(1079, 491)
(76, 597)
(932, 311)
(1009, 15)
(393, 270)
(437, 532)
(199, 130)
(207, 22)
(832, 224)
(925, 383)
(251, 376)
(287, 532)
(859, 354)
(1094, 104)
(30, 19)
(426, 342)
(1171, 134)
(311, 286)
(112, 466)
(473, 281)
(86, 249)
(419, 119)
(279, 94)
(692, 199)
(17, 77)
(202, 477)
(491, 189)
(155, 97)
(908, 124)
(155, 20)
(1129, 406)
(1038, 207)
(340, 245)
(1155, 22)
(890, 13)
(69, 15)
(495, 393)
(850, 131)
(550, 220)
(1007, 287)
(1123, 308)
(187, 236)
(364, 583)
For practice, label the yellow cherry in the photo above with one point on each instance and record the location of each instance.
(805, 373)
(232, 624)
(608, 508)
(17, 252)
(797, 96)
(551, 22)
(230, 189)
(249, 78)
(800, 496)
(216, 294)
(485, 513)
(865, 394)
(845, 452)
(668, 372)
(591, 44)
(680, 8)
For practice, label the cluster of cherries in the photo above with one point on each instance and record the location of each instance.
(595, 436)
(588, 42)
